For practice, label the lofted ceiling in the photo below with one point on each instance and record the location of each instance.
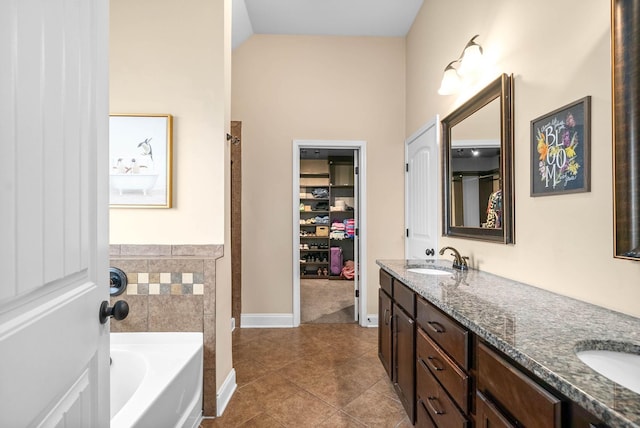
(385, 18)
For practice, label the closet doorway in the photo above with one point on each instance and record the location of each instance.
(329, 232)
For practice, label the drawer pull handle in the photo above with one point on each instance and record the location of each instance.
(431, 406)
(432, 361)
(436, 326)
(386, 320)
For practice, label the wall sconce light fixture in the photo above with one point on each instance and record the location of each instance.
(466, 65)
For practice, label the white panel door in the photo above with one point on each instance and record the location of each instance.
(54, 353)
(421, 192)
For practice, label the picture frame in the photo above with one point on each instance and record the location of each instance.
(140, 160)
(561, 150)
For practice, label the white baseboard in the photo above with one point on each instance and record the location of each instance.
(371, 321)
(226, 392)
(266, 320)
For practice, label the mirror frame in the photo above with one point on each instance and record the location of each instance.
(625, 32)
(501, 88)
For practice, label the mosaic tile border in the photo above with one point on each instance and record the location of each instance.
(165, 283)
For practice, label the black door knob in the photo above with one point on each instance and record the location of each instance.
(119, 311)
(429, 251)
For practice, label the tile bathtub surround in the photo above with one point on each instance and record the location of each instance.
(171, 288)
(538, 329)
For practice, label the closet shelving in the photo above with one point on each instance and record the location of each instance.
(314, 247)
(341, 189)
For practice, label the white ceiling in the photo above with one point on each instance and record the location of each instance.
(386, 18)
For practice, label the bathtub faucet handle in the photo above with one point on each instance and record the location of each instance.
(119, 311)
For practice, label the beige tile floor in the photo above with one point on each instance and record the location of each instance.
(317, 375)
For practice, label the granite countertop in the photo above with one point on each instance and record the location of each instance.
(538, 329)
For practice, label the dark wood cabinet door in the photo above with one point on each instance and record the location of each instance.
(384, 331)
(488, 416)
(404, 348)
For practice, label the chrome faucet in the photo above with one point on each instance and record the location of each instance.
(459, 262)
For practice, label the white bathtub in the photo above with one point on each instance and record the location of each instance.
(156, 380)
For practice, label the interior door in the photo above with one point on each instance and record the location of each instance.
(421, 192)
(54, 352)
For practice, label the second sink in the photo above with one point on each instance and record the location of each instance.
(428, 271)
(621, 367)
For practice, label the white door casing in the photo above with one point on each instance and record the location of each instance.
(54, 353)
(356, 238)
(361, 268)
(421, 192)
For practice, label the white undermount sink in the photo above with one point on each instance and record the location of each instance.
(428, 271)
(621, 367)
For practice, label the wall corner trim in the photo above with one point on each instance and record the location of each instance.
(266, 320)
(225, 392)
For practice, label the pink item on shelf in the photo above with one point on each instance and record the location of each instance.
(350, 227)
(349, 270)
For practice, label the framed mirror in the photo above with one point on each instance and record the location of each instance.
(625, 27)
(477, 166)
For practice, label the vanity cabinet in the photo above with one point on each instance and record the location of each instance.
(447, 377)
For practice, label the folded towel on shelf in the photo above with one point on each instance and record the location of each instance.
(320, 193)
(338, 226)
(320, 206)
(350, 227)
(337, 234)
(322, 219)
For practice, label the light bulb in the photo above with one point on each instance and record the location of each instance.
(450, 81)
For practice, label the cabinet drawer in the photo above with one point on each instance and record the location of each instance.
(386, 282)
(526, 401)
(454, 380)
(405, 298)
(434, 399)
(423, 420)
(447, 333)
(488, 415)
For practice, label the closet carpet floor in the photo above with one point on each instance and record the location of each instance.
(316, 375)
(326, 301)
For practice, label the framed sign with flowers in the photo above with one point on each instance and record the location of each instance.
(560, 150)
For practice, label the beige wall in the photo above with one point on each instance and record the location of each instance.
(558, 52)
(292, 87)
(224, 357)
(174, 57)
(167, 57)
